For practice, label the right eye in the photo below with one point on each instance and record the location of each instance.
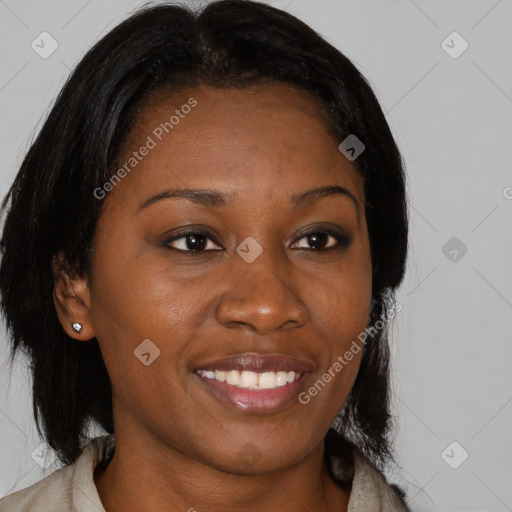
(190, 241)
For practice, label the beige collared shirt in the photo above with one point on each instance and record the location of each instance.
(72, 488)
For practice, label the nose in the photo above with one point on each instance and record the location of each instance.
(262, 296)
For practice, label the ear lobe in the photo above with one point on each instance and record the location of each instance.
(71, 297)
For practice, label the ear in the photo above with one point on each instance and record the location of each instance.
(71, 297)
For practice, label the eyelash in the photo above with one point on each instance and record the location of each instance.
(343, 241)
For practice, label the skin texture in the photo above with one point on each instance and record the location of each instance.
(178, 446)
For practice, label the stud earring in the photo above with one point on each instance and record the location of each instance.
(77, 327)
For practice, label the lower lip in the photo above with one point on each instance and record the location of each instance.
(255, 400)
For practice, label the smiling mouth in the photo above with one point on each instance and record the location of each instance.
(255, 383)
(251, 380)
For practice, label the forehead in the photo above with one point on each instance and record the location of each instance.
(245, 139)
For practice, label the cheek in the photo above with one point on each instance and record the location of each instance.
(140, 323)
(342, 298)
(126, 300)
(340, 306)
(141, 305)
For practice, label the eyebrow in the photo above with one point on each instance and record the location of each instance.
(216, 198)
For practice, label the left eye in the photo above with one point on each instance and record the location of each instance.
(318, 239)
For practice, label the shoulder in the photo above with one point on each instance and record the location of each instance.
(68, 489)
(49, 494)
(369, 489)
(370, 485)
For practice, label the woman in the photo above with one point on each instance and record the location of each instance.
(199, 255)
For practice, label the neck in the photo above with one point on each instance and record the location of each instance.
(151, 475)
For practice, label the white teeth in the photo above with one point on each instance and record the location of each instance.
(267, 380)
(220, 376)
(233, 377)
(252, 380)
(248, 379)
(281, 378)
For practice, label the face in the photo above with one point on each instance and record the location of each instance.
(216, 311)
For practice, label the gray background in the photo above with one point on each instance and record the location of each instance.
(452, 118)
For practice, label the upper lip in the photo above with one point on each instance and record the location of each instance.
(259, 363)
